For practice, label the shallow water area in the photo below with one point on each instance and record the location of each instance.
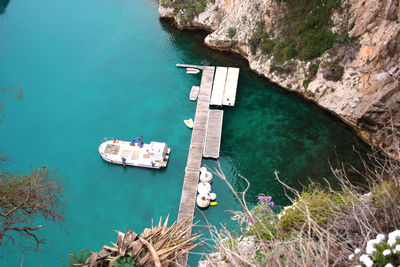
(94, 69)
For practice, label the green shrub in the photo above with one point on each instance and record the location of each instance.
(278, 53)
(312, 70)
(194, 7)
(306, 83)
(289, 52)
(185, 17)
(305, 25)
(267, 46)
(319, 203)
(385, 194)
(253, 42)
(314, 42)
(264, 218)
(126, 262)
(200, 6)
(76, 258)
(231, 32)
(255, 39)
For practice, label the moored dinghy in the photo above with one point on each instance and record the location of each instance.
(189, 123)
(192, 71)
(204, 188)
(194, 93)
(203, 200)
(206, 177)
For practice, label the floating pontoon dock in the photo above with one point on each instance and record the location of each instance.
(206, 133)
(225, 86)
(213, 136)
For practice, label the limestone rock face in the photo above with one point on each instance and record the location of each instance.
(367, 93)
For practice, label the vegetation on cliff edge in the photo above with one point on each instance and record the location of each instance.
(188, 8)
(304, 31)
(323, 226)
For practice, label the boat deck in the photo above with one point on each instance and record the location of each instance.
(113, 151)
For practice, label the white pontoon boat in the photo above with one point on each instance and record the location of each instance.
(135, 153)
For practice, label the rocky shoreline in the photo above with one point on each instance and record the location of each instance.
(366, 92)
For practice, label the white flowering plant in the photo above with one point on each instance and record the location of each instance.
(380, 251)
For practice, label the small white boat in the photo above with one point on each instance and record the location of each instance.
(206, 177)
(194, 93)
(204, 188)
(203, 200)
(135, 153)
(189, 123)
(192, 71)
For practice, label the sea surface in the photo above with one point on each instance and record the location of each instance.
(91, 69)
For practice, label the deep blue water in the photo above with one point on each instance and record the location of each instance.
(95, 68)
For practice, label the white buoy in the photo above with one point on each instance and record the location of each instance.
(206, 177)
(203, 200)
(204, 188)
(203, 169)
(213, 196)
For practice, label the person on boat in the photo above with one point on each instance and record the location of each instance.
(123, 161)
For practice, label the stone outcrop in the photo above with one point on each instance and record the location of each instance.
(359, 83)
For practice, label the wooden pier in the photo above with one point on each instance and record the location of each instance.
(193, 164)
(206, 133)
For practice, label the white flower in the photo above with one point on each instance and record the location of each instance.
(351, 256)
(279, 216)
(397, 249)
(370, 246)
(386, 252)
(363, 257)
(393, 237)
(366, 260)
(357, 250)
(389, 265)
(380, 237)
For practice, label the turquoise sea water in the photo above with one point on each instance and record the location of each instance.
(93, 69)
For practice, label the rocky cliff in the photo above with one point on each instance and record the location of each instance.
(359, 81)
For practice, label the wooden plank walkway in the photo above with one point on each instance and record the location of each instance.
(193, 164)
(219, 86)
(231, 86)
(213, 136)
